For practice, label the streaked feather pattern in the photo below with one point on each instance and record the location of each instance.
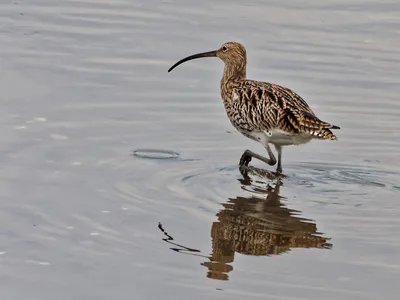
(254, 105)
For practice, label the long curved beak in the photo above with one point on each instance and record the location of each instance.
(199, 55)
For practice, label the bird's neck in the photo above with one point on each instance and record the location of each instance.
(232, 74)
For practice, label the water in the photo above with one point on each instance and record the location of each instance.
(85, 83)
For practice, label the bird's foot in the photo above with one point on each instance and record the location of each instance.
(245, 159)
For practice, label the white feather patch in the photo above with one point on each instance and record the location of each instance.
(235, 96)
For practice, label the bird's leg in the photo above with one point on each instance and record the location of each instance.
(279, 167)
(248, 155)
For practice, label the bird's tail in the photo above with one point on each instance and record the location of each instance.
(304, 122)
(326, 134)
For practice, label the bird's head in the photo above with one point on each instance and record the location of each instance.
(231, 53)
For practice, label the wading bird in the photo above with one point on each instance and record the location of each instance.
(265, 112)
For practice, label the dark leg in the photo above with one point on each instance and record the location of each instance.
(279, 150)
(248, 155)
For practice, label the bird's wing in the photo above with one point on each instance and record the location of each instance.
(286, 97)
(273, 106)
(302, 122)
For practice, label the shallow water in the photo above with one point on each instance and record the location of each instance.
(85, 83)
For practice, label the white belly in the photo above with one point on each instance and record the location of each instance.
(283, 138)
(278, 137)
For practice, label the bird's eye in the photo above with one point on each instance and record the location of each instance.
(224, 48)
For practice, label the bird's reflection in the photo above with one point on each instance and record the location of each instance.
(258, 224)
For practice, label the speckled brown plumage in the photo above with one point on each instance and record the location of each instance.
(265, 112)
(261, 226)
(265, 106)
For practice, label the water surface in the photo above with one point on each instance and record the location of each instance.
(85, 83)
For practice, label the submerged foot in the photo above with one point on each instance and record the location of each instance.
(279, 174)
(249, 171)
(279, 170)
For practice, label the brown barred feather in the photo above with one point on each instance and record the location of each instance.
(264, 106)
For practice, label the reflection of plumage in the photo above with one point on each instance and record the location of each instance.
(257, 225)
(258, 235)
(265, 112)
(261, 227)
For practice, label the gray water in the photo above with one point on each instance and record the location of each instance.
(84, 83)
